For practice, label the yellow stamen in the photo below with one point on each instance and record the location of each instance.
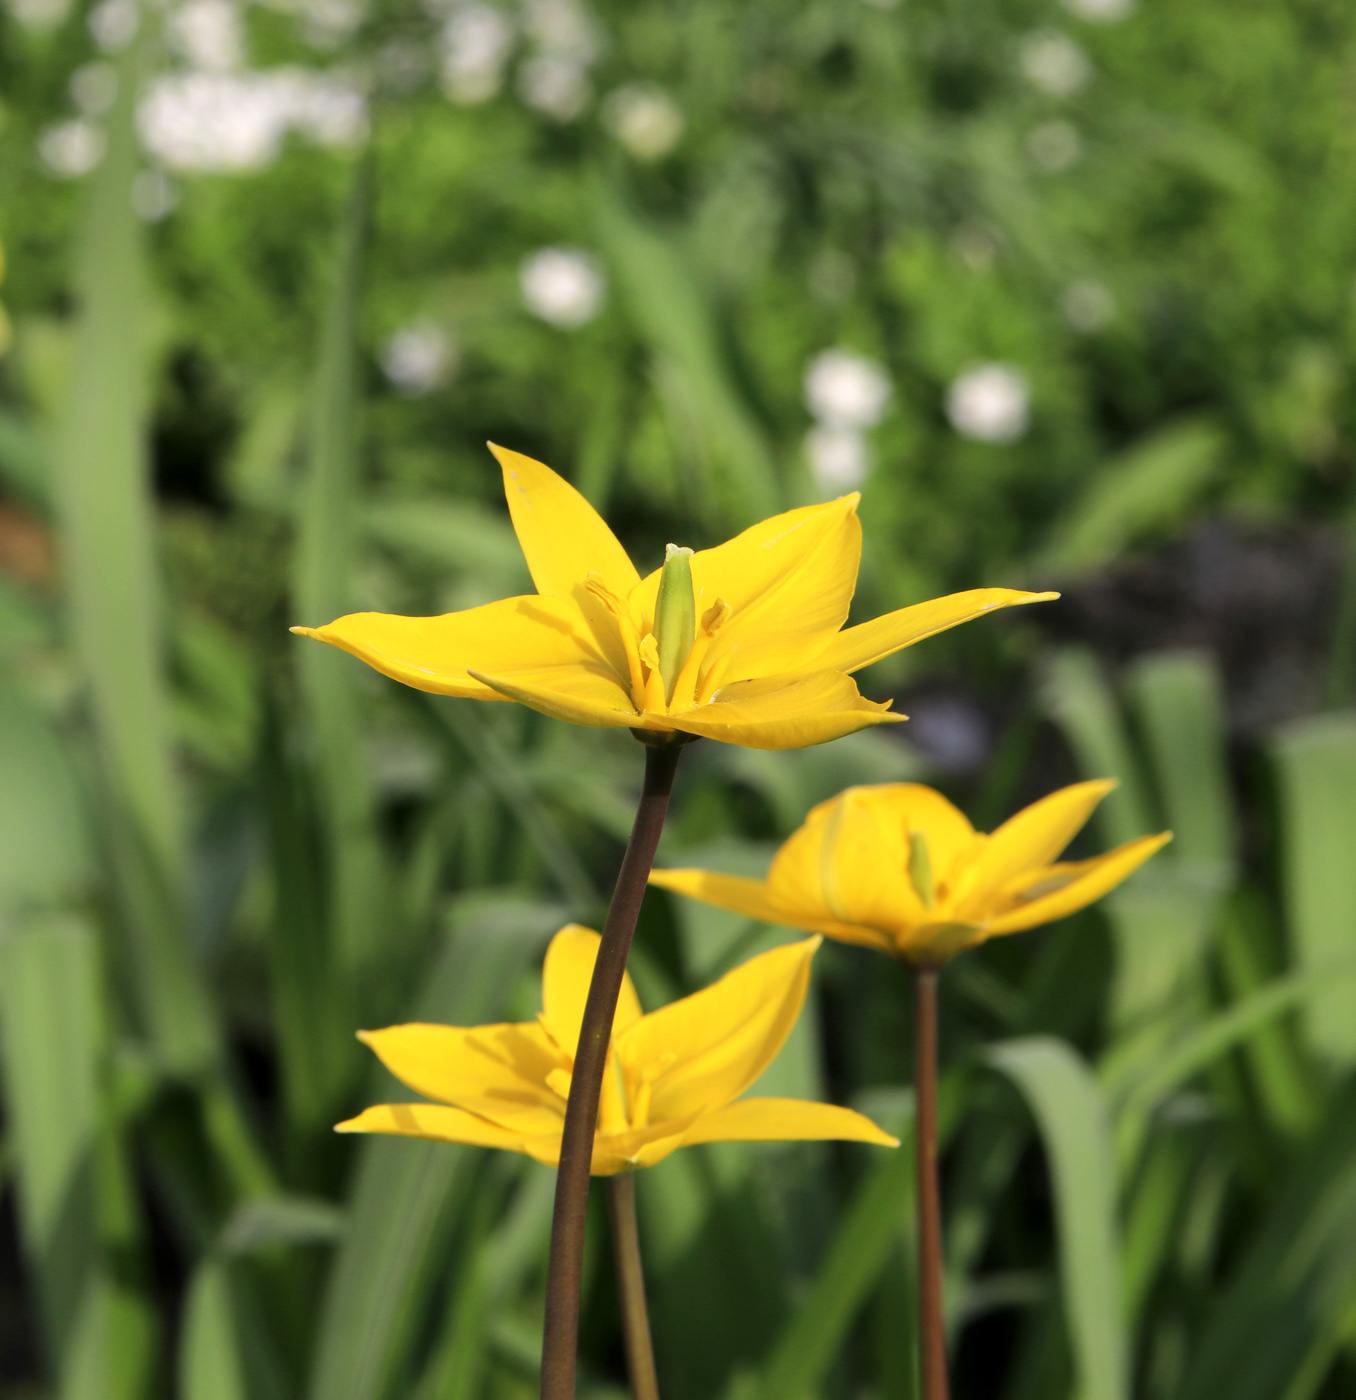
(630, 644)
(654, 681)
(713, 679)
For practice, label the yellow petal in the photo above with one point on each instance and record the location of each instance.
(497, 1072)
(785, 712)
(860, 646)
(438, 653)
(785, 1120)
(1031, 839)
(709, 1047)
(565, 987)
(563, 538)
(788, 582)
(1088, 880)
(589, 694)
(432, 1120)
(749, 897)
(850, 858)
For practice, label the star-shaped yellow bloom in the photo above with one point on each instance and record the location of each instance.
(753, 654)
(897, 867)
(673, 1077)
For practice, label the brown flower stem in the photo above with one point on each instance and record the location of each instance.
(560, 1338)
(621, 1199)
(931, 1320)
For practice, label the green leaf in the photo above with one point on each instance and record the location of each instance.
(1071, 1114)
(1146, 490)
(868, 1232)
(380, 1285)
(281, 1220)
(1316, 762)
(210, 1365)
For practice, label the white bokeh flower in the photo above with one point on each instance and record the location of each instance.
(555, 85)
(645, 119)
(1100, 11)
(561, 27)
(476, 42)
(40, 14)
(112, 23)
(418, 358)
(1087, 306)
(1054, 146)
(990, 403)
(208, 34)
(154, 195)
(72, 148)
(236, 122)
(94, 87)
(1052, 62)
(844, 390)
(562, 286)
(838, 458)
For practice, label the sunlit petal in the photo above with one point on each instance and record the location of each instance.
(588, 695)
(566, 975)
(716, 1042)
(871, 641)
(785, 1120)
(438, 654)
(563, 538)
(498, 1072)
(1086, 881)
(1027, 841)
(433, 1120)
(781, 712)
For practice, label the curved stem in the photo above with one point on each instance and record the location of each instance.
(621, 1199)
(932, 1323)
(561, 1335)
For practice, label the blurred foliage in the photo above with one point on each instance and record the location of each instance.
(221, 852)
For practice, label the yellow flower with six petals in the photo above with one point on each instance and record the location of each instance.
(753, 654)
(897, 867)
(673, 1077)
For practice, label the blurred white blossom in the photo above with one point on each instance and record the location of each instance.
(555, 85)
(1087, 306)
(1100, 11)
(154, 195)
(236, 122)
(990, 403)
(562, 286)
(476, 41)
(555, 78)
(93, 87)
(208, 34)
(71, 148)
(40, 14)
(844, 390)
(113, 23)
(838, 458)
(1052, 62)
(418, 358)
(645, 119)
(1054, 146)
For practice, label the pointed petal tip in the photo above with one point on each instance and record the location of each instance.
(305, 631)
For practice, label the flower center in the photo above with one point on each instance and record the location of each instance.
(675, 617)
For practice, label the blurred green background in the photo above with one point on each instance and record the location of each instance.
(1069, 292)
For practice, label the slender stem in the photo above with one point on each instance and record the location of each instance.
(561, 1336)
(932, 1323)
(631, 1287)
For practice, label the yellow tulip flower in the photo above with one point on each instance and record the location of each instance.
(897, 867)
(673, 1077)
(742, 643)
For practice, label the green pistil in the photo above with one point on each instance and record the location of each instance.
(675, 622)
